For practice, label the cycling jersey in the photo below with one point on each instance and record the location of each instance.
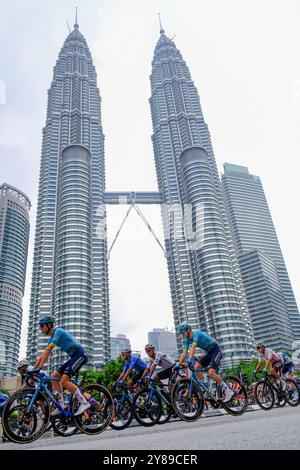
(161, 360)
(202, 339)
(285, 359)
(64, 341)
(135, 363)
(269, 354)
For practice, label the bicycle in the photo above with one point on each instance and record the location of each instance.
(123, 412)
(266, 391)
(156, 388)
(189, 395)
(27, 412)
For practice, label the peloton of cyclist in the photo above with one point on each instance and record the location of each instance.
(164, 361)
(210, 359)
(132, 363)
(78, 357)
(272, 359)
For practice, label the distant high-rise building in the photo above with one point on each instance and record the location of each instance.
(117, 344)
(70, 275)
(253, 229)
(164, 341)
(270, 320)
(205, 280)
(14, 236)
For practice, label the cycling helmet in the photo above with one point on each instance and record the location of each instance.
(45, 320)
(126, 350)
(22, 363)
(184, 326)
(149, 346)
(260, 344)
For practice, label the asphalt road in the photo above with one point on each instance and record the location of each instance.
(275, 429)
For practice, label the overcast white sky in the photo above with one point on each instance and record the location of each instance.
(244, 60)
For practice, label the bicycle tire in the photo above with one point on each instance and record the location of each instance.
(120, 410)
(147, 414)
(262, 385)
(240, 396)
(58, 425)
(22, 395)
(291, 388)
(180, 400)
(101, 410)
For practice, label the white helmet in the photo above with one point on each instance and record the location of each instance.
(22, 363)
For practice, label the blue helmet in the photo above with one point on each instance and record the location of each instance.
(45, 320)
(184, 326)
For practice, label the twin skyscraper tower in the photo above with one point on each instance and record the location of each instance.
(70, 267)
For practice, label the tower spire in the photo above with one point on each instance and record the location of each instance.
(76, 25)
(161, 28)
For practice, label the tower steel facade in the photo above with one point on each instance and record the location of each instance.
(205, 281)
(70, 275)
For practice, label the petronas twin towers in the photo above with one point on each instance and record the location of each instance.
(70, 270)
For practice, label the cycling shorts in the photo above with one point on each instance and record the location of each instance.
(211, 358)
(165, 373)
(288, 368)
(74, 364)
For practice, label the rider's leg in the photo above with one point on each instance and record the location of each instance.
(199, 375)
(276, 374)
(57, 385)
(72, 388)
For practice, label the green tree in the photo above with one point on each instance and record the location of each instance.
(106, 376)
(244, 367)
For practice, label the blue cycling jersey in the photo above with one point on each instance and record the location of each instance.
(135, 363)
(65, 341)
(202, 339)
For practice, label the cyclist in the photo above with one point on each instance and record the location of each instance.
(156, 358)
(132, 363)
(23, 367)
(210, 359)
(288, 366)
(78, 357)
(272, 359)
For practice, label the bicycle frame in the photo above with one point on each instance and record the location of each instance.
(267, 379)
(41, 387)
(154, 388)
(203, 384)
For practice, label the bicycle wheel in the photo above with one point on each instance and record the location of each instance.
(292, 394)
(19, 425)
(64, 426)
(123, 414)
(147, 407)
(187, 403)
(97, 418)
(238, 403)
(264, 395)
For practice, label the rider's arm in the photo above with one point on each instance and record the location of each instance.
(44, 357)
(268, 362)
(146, 372)
(183, 356)
(120, 376)
(128, 372)
(259, 364)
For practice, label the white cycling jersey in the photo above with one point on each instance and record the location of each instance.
(162, 360)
